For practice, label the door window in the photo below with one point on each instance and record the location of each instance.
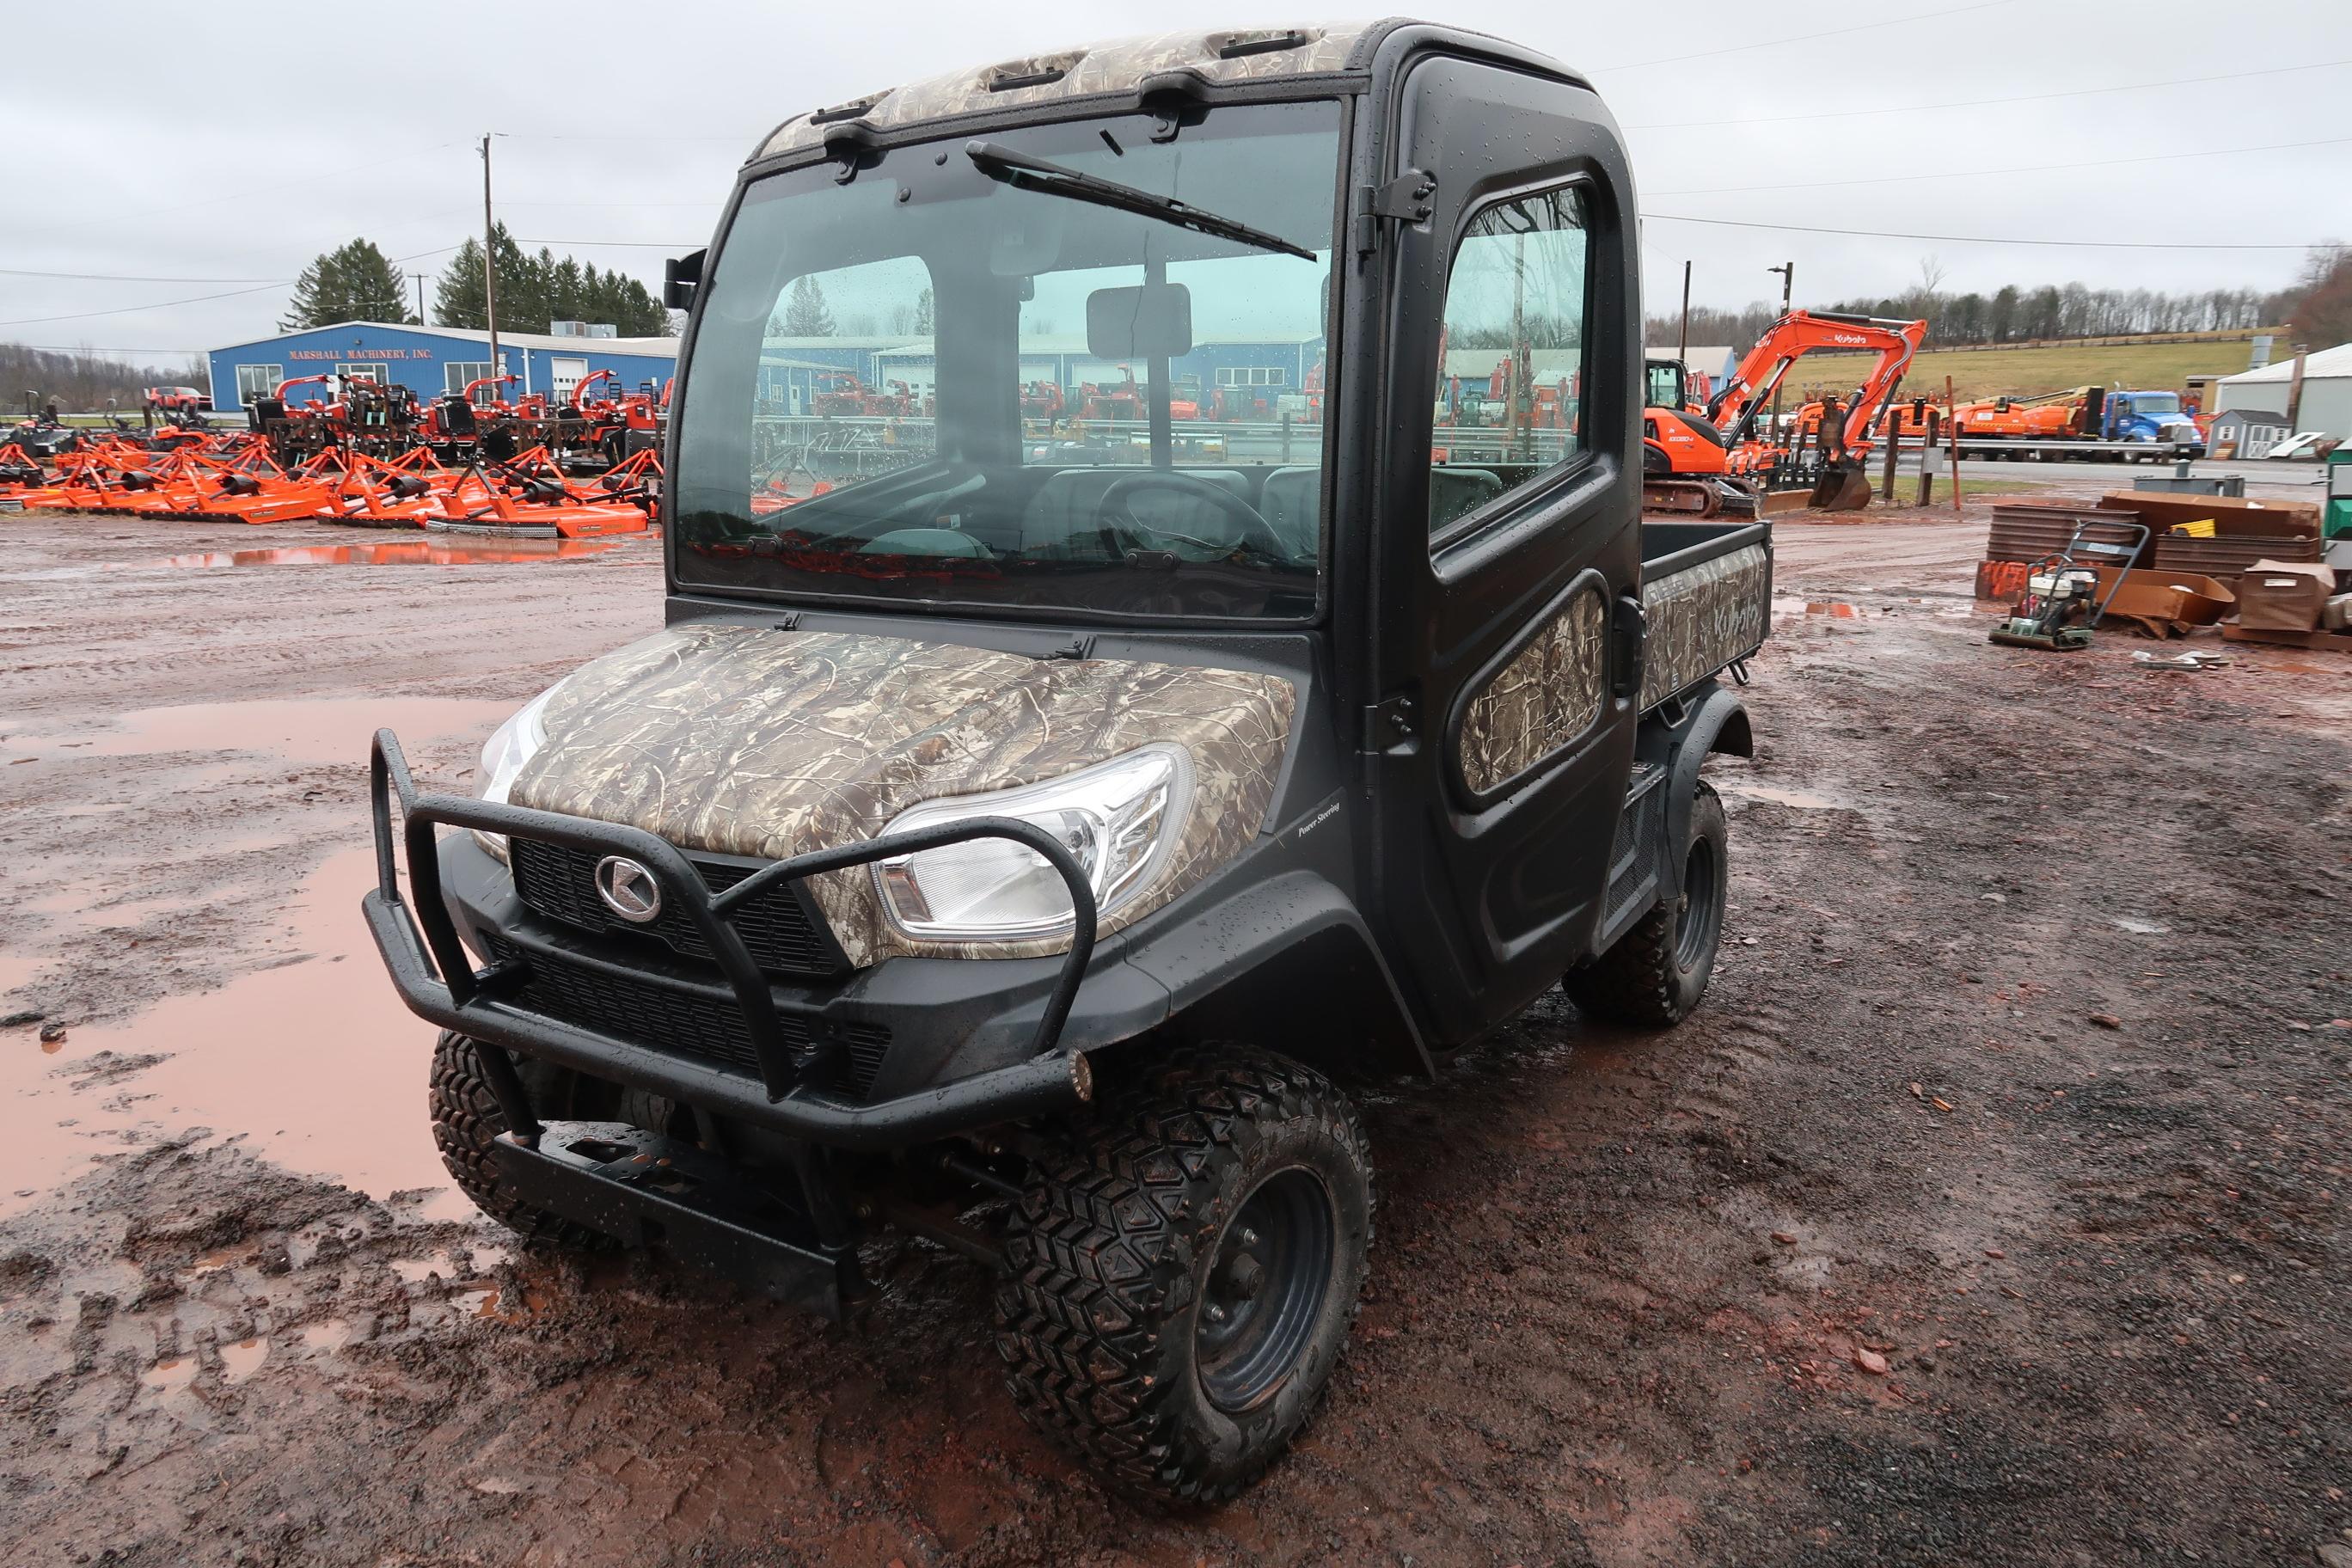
(1509, 387)
(374, 373)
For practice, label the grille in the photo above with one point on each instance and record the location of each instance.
(679, 1022)
(786, 936)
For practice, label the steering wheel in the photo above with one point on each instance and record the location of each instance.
(1115, 510)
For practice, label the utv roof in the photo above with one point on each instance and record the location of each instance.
(1121, 67)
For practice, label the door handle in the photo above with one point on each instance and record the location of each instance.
(1628, 637)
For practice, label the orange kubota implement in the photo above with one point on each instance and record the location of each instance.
(1701, 465)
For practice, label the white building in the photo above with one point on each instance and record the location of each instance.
(2326, 391)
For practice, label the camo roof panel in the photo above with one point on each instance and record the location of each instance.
(1118, 65)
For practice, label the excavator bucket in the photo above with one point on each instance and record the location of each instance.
(1842, 488)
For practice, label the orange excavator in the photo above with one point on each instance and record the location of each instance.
(1704, 465)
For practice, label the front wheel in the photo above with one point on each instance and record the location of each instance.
(466, 1121)
(1657, 971)
(1183, 1272)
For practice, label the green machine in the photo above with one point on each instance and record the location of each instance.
(2338, 521)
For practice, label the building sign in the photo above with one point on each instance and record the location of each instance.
(348, 354)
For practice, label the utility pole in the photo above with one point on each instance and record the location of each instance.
(1682, 340)
(420, 301)
(490, 261)
(1788, 271)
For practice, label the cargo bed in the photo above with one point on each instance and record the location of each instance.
(1706, 601)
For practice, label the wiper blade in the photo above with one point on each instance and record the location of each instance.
(1019, 169)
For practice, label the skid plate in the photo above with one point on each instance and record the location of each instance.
(674, 1197)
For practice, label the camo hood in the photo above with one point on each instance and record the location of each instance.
(757, 742)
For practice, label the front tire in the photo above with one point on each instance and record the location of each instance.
(1655, 974)
(466, 1120)
(1183, 1273)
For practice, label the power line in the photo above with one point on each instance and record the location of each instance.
(2028, 169)
(626, 243)
(197, 300)
(1987, 102)
(1976, 239)
(1808, 37)
(118, 278)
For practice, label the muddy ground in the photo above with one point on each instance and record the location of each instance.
(2025, 1070)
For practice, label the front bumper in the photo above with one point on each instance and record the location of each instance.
(787, 1090)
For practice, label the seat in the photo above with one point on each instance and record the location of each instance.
(1457, 492)
(1065, 522)
(1292, 504)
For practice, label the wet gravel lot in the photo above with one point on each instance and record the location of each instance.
(1991, 1211)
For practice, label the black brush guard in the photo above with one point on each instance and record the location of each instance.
(787, 1236)
(437, 980)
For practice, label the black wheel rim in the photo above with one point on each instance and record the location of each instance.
(1265, 1288)
(1702, 906)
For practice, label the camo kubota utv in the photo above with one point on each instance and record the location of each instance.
(1029, 822)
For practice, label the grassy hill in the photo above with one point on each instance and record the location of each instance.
(2023, 372)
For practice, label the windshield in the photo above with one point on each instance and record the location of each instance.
(1011, 373)
(2155, 403)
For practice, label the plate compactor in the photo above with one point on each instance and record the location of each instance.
(2057, 612)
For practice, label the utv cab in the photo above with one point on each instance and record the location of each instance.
(1025, 830)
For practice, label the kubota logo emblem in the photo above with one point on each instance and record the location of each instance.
(627, 889)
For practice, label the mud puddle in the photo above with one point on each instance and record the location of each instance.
(301, 729)
(314, 1064)
(394, 553)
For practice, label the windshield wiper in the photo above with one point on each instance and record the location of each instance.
(1019, 169)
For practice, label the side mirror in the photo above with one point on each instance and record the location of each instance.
(681, 275)
(1150, 320)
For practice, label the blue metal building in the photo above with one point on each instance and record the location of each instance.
(432, 359)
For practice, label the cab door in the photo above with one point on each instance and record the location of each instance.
(1504, 628)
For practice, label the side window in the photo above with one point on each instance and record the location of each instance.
(258, 381)
(1512, 352)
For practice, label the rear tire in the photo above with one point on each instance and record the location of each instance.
(1657, 971)
(1184, 1270)
(466, 1120)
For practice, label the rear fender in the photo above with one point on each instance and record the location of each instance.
(1715, 723)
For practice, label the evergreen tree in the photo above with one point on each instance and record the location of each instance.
(923, 312)
(535, 290)
(458, 297)
(805, 313)
(353, 283)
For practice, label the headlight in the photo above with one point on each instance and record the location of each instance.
(1120, 819)
(513, 743)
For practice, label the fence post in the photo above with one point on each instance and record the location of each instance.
(1953, 403)
(1927, 459)
(1285, 435)
(1894, 446)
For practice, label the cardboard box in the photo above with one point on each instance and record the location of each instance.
(2283, 595)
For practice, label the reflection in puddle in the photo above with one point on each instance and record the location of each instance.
(1836, 609)
(242, 1360)
(1797, 799)
(396, 552)
(296, 1060)
(327, 1337)
(416, 1270)
(301, 730)
(166, 1375)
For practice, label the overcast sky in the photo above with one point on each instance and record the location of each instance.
(219, 147)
